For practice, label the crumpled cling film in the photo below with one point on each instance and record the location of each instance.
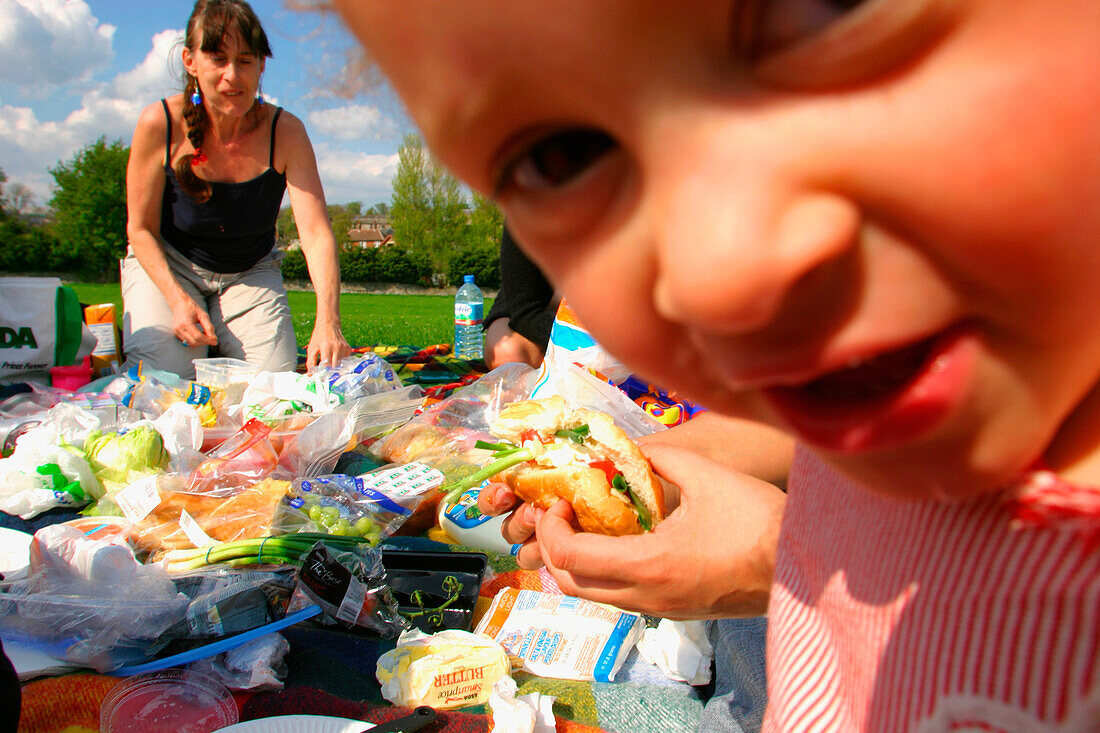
(565, 637)
(449, 669)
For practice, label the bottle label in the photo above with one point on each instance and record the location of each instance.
(469, 314)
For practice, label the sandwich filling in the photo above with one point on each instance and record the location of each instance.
(566, 447)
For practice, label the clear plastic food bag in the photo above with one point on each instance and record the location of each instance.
(373, 505)
(90, 602)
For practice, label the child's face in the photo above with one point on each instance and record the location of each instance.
(878, 227)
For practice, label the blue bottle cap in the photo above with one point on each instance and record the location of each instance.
(467, 278)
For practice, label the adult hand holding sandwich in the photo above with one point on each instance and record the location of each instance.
(712, 557)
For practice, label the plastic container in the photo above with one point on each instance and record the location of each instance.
(71, 377)
(410, 571)
(230, 375)
(171, 701)
(464, 524)
(469, 313)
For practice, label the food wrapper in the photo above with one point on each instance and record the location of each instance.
(152, 396)
(350, 587)
(449, 669)
(565, 637)
(512, 713)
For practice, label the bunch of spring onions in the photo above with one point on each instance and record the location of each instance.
(284, 549)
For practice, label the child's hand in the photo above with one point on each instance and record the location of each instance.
(712, 557)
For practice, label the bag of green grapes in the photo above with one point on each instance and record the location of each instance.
(372, 505)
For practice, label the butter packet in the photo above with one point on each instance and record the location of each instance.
(449, 669)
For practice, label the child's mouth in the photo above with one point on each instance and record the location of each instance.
(879, 402)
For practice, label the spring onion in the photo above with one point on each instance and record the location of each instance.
(577, 434)
(285, 549)
(505, 456)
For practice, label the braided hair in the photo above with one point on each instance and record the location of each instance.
(211, 21)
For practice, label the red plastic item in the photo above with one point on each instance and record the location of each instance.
(72, 377)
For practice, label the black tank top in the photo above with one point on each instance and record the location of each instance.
(235, 228)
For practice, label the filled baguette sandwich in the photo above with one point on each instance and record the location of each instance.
(553, 451)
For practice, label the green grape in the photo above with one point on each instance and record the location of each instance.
(341, 527)
(365, 526)
(314, 512)
(329, 514)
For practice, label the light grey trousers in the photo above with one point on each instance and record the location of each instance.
(249, 310)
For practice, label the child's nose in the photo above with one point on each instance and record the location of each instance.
(731, 257)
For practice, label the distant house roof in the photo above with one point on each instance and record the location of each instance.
(365, 235)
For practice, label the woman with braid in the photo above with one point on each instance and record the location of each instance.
(205, 180)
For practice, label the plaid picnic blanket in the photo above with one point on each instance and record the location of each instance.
(332, 672)
(434, 368)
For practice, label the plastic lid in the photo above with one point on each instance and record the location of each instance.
(467, 278)
(176, 700)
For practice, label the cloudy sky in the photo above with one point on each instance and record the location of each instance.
(76, 70)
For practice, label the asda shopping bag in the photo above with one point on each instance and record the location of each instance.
(41, 325)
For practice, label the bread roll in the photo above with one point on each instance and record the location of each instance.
(599, 507)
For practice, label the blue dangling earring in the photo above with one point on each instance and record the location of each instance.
(196, 98)
(259, 97)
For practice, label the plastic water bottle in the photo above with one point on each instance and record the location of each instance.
(469, 307)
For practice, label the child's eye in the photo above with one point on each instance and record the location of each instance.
(554, 160)
(769, 26)
(821, 43)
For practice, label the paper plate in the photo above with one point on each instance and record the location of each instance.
(300, 724)
(15, 547)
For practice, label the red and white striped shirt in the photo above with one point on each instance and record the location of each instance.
(922, 616)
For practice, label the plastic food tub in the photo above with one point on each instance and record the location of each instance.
(70, 377)
(174, 700)
(230, 375)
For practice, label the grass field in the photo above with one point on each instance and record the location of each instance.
(418, 320)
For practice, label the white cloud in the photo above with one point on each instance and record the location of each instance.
(353, 176)
(51, 42)
(354, 122)
(156, 76)
(108, 110)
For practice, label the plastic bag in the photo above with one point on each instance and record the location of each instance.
(350, 587)
(90, 602)
(274, 396)
(168, 515)
(151, 395)
(318, 446)
(358, 375)
(373, 505)
(242, 460)
(47, 469)
(230, 601)
(443, 435)
(256, 665)
(234, 494)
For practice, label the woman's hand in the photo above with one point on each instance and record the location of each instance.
(191, 323)
(327, 346)
(713, 556)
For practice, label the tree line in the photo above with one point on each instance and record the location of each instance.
(440, 230)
